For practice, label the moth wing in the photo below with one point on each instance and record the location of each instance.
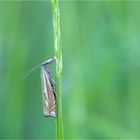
(48, 95)
(44, 94)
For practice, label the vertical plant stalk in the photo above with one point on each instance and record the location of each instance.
(58, 57)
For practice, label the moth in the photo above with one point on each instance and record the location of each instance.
(48, 90)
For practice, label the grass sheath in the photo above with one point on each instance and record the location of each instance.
(58, 57)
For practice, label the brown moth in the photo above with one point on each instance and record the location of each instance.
(48, 92)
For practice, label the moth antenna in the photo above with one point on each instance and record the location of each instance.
(27, 73)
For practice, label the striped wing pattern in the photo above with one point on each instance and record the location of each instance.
(48, 94)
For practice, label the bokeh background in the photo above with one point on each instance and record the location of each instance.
(101, 76)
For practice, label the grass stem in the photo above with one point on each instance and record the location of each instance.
(58, 57)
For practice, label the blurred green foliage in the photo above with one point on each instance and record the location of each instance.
(101, 77)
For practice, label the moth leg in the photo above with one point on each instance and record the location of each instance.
(53, 81)
(52, 84)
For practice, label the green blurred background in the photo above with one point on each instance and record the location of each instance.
(101, 76)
